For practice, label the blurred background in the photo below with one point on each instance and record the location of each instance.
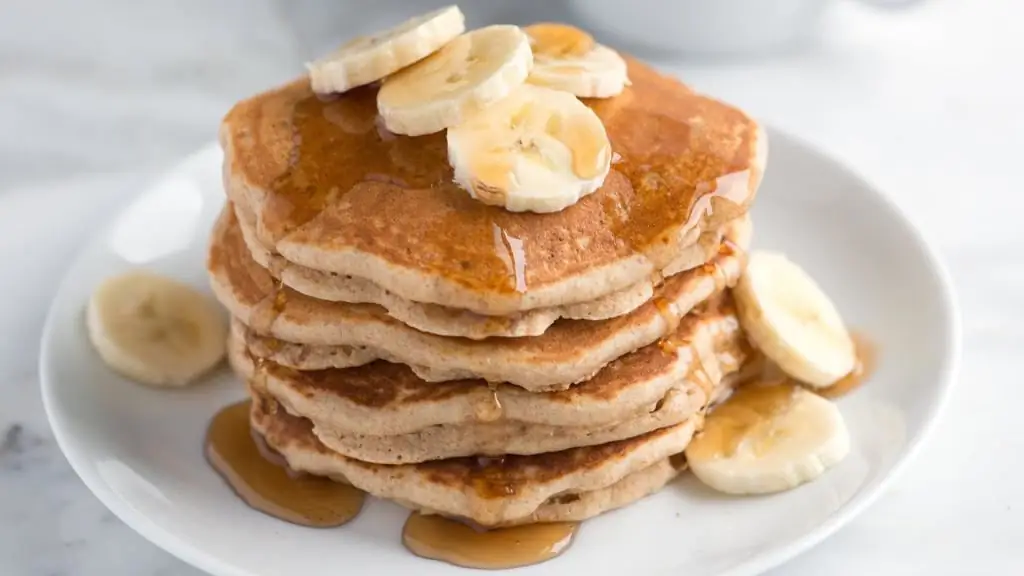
(113, 85)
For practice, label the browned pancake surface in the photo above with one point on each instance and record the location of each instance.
(255, 294)
(386, 385)
(325, 173)
(501, 477)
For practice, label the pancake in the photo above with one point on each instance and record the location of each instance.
(305, 332)
(382, 399)
(446, 321)
(497, 439)
(510, 437)
(579, 506)
(583, 505)
(488, 491)
(331, 190)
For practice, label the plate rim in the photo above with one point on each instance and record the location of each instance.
(168, 541)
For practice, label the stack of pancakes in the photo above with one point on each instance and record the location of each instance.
(469, 361)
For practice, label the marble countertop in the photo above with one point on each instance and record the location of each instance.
(925, 103)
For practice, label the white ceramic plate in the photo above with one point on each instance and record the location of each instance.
(139, 450)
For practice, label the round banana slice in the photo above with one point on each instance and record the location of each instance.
(538, 150)
(766, 439)
(788, 317)
(567, 58)
(155, 330)
(466, 75)
(370, 58)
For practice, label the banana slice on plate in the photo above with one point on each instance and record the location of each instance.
(469, 73)
(155, 330)
(768, 438)
(538, 150)
(788, 317)
(567, 58)
(370, 58)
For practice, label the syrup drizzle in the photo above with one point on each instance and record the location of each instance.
(266, 313)
(490, 409)
(257, 475)
(363, 183)
(262, 479)
(867, 362)
(458, 543)
(510, 250)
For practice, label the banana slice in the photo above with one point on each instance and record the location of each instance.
(466, 75)
(766, 439)
(567, 58)
(155, 330)
(538, 150)
(787, 316)
(370, 58)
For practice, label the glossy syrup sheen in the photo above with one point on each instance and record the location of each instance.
(867, 362)
(746, 415)
(457, 543)
(262, 481)
(682, 160)
(489, 408)
(266, 313)
(558, 40)
(751, 408)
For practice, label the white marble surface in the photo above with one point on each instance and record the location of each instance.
(926, 103)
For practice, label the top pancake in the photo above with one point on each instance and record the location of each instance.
(333, 191)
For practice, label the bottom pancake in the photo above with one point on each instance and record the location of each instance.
(579, 506)
(488, 491)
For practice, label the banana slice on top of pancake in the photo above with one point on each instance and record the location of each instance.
(768, 438)
(788, 317)
(537, 150)
(370, 58)
(155, 330)
(567, 58)
(466, 75)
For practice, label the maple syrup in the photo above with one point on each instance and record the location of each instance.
(454, 542)
(739, 418)
(266, 313)
(558, 40)
(716, 272)
(669, 313)
(264, 482)
(753, 404)
(341, 154)
(678, 460)
(669, 345)
(280, 299)
(369, 188)
(489, 480)
(489, 409)
(510, 250)
(867, 361)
